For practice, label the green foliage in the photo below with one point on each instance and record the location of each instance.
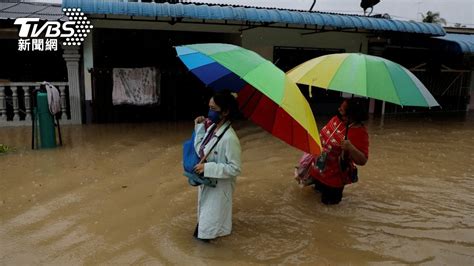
(431, 17)
(4, 148)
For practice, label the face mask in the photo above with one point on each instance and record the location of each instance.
(214, 116)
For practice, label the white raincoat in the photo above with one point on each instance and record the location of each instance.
(215, 204)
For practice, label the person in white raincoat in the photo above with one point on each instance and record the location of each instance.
(215, 203)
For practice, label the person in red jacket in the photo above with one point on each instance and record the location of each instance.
(335, 167)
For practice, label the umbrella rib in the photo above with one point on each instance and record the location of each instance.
(393, 83)
(308, 134)
(308, 137)
(254, 109)
(220, 78)
(262, 104)
(413, 83)
(366, 77)
(248, 99)
(253, 69)
(275, 116)
(292, 132)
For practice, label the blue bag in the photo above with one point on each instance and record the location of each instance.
(190, 159)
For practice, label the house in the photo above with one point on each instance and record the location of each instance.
(133, 34)
(22, 71)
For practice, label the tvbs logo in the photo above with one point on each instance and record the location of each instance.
(37, 36)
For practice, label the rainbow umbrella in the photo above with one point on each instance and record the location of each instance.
(364, 75)
(265, 95)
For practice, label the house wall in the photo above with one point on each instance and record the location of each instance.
(28, 66)
(155, 38)
(143, 44)
(309, 46)
(263, 40)
(116, 23)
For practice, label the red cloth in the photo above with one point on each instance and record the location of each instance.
(331, 136)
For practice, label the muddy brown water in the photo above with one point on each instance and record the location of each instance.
(114, 195)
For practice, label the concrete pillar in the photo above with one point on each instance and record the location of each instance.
(71, 56)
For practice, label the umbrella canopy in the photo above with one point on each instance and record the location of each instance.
(364, 75)
(265, 95)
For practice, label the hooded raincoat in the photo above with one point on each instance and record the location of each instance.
(215, 203)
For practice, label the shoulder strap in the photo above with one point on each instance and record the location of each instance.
(347, 128)
(213, 146)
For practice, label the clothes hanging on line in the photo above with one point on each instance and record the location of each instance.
(136, 86)
(54, 98)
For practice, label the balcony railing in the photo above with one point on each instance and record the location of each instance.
(16, 102)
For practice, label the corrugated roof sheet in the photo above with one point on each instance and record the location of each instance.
(259, 15)
(464, 42)
(43, 11)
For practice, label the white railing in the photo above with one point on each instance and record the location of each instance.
(16, 102)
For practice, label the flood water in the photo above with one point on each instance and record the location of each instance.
(114, 194)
